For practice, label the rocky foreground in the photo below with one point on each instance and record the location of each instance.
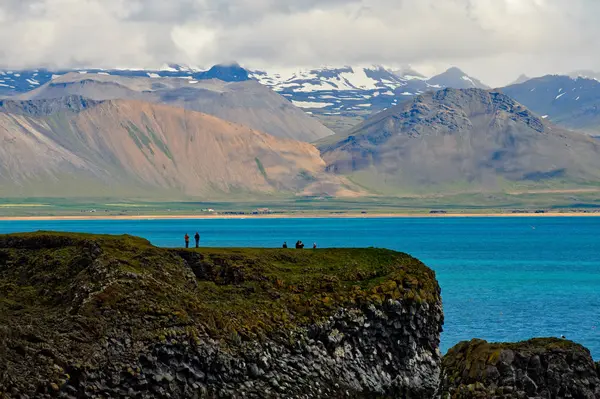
(99, 316)
(85, 316)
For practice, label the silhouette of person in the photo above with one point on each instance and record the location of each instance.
(285, 245)
(187, 240)
(197, 238)
(315, 245)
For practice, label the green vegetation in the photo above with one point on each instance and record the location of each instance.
(141, 140)
(93, 282)
(298, 206)
(159, 143)
(304, 174)
(261, 168)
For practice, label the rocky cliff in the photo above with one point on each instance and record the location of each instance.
(102, 316)
(539, 368)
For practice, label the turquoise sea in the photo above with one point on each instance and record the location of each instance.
(502, 279)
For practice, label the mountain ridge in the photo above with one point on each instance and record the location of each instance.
(465, 140)
(571, 102)
(245, 102)
(122, 147)
(343, 97)
(338, 96)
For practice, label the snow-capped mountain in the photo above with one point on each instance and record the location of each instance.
(14, 82)
(573, 102)
(348, 91)
(339, 97)
(352, 93)
(587, 74)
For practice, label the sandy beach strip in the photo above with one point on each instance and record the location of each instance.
(298, 216)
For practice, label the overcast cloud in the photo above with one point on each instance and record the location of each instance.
(494, 40)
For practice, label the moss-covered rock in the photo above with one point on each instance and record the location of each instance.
(538, 368)
(103, 316)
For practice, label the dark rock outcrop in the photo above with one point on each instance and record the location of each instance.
(539, 368)
(72, 103)
(100, 316)
(227, 73)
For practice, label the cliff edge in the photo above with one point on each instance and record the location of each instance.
(92, 316)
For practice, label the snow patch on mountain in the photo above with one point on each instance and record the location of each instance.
(329, 78)
(310, 104)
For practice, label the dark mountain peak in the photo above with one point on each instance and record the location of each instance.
(471, 137)
(231, 72)
(569, 101)
(443, 106)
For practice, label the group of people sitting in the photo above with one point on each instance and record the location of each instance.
(299, 245)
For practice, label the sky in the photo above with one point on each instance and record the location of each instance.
(493, 40)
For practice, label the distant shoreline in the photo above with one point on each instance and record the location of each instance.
(297, 216)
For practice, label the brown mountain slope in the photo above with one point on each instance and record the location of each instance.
(124, 148)
(461, 140)
(248, 103)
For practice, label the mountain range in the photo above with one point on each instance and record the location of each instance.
(340, 97)
(232, 133)
(245, 102)
(343, 97)
(20, 81)
(460, 141)
(76, 147)
(572, 102)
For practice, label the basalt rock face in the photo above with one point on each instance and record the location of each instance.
(101, 316)
(539, 368)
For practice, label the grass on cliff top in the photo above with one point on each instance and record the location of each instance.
(88, 284)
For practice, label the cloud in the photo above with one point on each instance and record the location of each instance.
(495, 40)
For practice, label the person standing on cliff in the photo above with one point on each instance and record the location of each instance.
(187, 240)
(197, 238)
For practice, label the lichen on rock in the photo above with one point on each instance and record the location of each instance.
(538, 368)
(104, 316)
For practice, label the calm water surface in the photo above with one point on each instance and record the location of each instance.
(502, 279)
